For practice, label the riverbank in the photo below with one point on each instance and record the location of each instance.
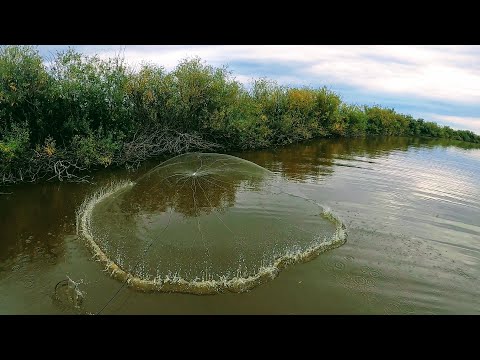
(76, 114)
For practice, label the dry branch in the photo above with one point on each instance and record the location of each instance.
(65, 165)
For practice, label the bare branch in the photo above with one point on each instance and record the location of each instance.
(65, 165)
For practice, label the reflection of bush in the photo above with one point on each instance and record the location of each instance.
(34, 221)
(316, 158)
(188, 195)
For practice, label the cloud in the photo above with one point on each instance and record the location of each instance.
(458, 122)
(448, 73)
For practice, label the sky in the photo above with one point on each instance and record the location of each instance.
(438, 83)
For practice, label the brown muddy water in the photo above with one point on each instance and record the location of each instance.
(410, 207)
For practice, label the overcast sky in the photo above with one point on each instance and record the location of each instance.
(437, 83)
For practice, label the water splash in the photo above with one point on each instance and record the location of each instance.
(68, 292)
(203, 173)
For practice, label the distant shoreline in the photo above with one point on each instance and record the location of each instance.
(83, 112)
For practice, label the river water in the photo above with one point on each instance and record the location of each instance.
(411, 209)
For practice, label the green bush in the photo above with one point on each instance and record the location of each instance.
(15, 143)
(87, 94)
(355, 120)
(85, 111)
(95, 149)
(24, 89)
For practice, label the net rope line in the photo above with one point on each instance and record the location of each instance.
(340, 234)
(187, 181)
(151, 243)
(135, 266)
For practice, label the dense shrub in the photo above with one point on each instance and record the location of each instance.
(80, 112)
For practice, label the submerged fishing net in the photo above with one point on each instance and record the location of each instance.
(205, 223)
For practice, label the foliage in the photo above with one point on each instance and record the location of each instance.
(80, 112)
